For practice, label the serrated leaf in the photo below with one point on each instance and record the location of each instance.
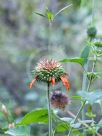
(85, 53)
(40, 14)
(19, 131)
(91, 97)
(36, 116)
(74, 60)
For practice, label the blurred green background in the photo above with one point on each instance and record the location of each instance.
(24, 39)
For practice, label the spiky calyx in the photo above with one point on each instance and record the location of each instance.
(50, 71)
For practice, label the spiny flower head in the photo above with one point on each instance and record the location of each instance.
(59, 100)
(50, 71)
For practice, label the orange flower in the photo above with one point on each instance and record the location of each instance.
(65, 82)
(53, 81)
(32, 83)
(50, 71)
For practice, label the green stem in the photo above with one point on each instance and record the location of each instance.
(49, 111)
(81, 108)
(88, 88)
(84, 85)
(49, 35)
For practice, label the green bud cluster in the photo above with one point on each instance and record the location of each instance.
(91, 32)
(44, 75)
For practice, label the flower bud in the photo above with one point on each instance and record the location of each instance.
(59, 100)
(91, 32)
(4, 110)
(11, 125)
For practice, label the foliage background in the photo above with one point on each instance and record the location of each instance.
(24, 39)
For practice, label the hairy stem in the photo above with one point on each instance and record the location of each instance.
(49, 110)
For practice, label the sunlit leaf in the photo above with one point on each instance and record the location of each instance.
(36, 116)
(61, 127)
(74, 60)
(50, 15)
(98, 43)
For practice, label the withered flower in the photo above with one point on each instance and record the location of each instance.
(59, 100)
(50, 71)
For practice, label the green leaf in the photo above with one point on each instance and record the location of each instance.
(77, 133)
(76, 125)
(98, 43)
(85, 53)
(40, 14)
(94, 75)
(100, 124)
(50, 15)
(36, 116)
(19, 131)
(98, 52)
(77, 97)
(91, 97)
(66, 119)
(75, 60)
(89, 113)
(63, 9)
(2, 130)
(61, 127)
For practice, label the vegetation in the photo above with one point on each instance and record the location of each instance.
(50, 76)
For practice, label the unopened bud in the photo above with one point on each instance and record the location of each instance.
(11, 125)
(4, 110)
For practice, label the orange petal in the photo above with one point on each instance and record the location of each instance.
(65, 82)
(32, 82)
(53, 81)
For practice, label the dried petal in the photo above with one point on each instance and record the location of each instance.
(59, 100)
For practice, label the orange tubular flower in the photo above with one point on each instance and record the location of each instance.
(65, 82)
(53, 81)
(32, 83)
(50, 71)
